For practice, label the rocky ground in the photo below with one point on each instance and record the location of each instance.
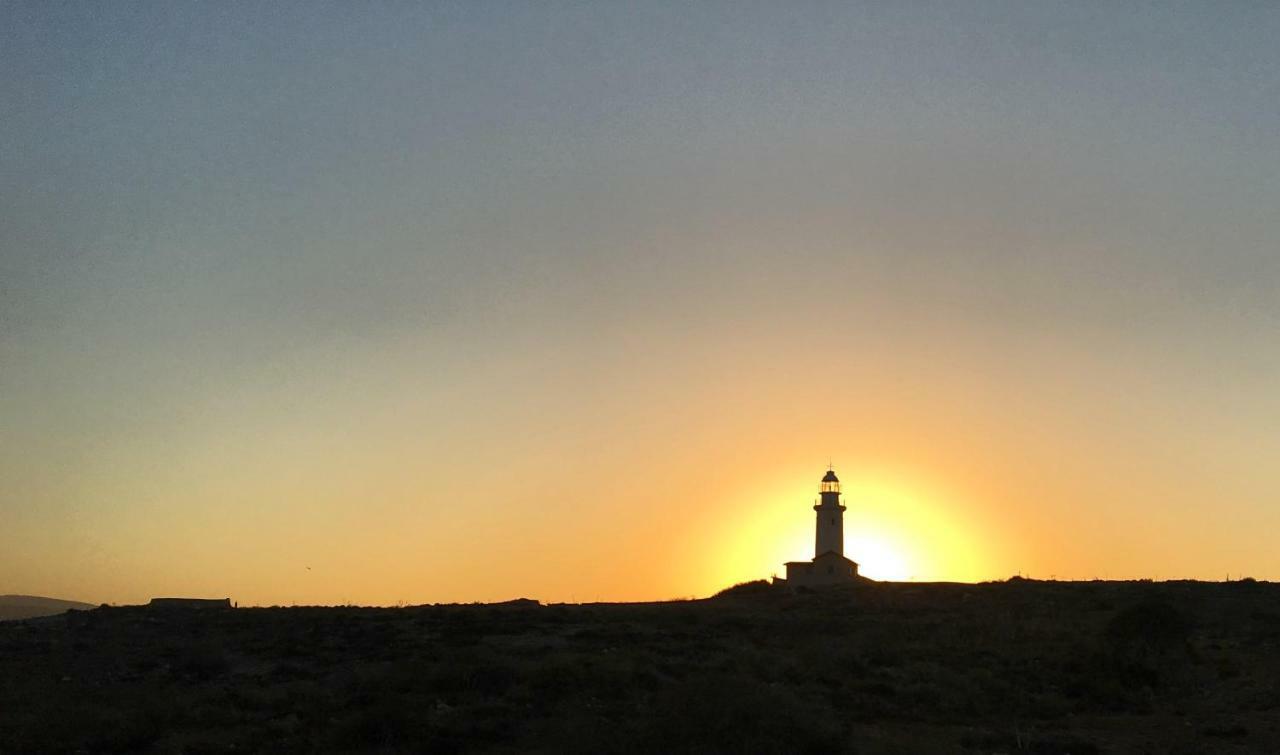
(1016, 666)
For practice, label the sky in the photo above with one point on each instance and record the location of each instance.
(389, 303)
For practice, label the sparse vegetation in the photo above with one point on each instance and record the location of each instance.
(754, 587)
(1021, 665)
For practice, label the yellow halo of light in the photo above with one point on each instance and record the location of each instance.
(879, 557)
(896, 529)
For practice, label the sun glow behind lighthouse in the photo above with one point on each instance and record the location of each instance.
(879, 557)
(879, 551)
(897, 528)
(903, 530)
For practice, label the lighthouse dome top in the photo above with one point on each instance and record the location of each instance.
(830, 476)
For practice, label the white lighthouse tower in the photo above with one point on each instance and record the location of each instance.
(829, 533)
(829, 565)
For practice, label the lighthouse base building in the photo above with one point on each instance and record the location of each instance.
(829, 565)
(828, 569)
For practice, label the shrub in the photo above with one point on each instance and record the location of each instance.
(1152, 623)
(735, 714)
(204, 661)
(387, 721)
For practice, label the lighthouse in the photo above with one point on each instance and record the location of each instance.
(829, 532)
(829, 565)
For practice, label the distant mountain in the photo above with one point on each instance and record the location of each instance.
(31, 606)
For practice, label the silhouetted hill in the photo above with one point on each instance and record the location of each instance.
(34, 606)
(1017, 666)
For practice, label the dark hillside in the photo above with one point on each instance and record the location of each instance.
(32, 606)
(1018, 666)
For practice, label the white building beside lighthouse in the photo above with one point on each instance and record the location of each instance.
(829, 565)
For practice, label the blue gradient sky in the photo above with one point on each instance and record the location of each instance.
(474, 300)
